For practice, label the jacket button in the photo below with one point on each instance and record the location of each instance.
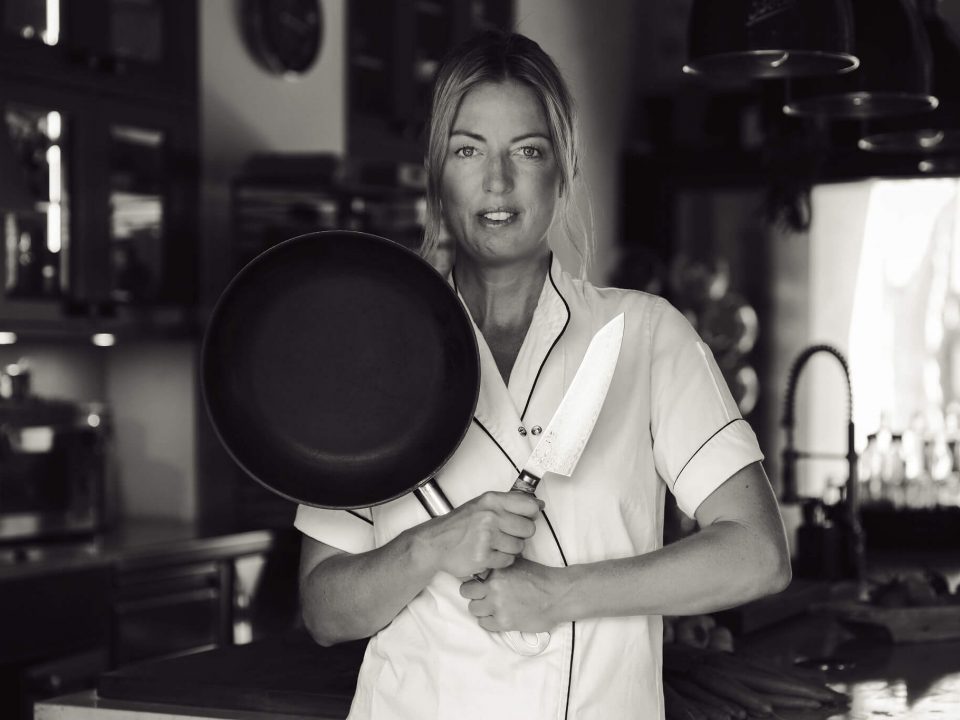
(522, 430)
(536, 430)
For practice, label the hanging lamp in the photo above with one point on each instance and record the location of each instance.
(933, 132)
(894, 77)
(746, 39)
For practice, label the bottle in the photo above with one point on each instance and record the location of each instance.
(869, 472)
(894, 472)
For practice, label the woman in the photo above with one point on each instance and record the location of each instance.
(502, 159)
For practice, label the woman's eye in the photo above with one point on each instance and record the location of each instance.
(465, 152)
(531, 152)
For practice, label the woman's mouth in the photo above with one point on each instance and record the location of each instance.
(497, 218)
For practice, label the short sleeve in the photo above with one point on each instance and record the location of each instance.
(699, 436)
(347, 530)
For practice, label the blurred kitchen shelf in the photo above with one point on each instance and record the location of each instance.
(278, 196)
(394, 48)
(125, 324)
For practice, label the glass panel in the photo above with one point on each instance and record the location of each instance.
(33, 20)
(371, 44)
(878, 277)
(35, 200)
(137, 172)
(433, 27)
(136, 30)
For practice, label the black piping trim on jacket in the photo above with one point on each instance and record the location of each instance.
(573, 640)
(555, 340)
(362, 517)
(720, 430)
(563, 557)
(573, 623)
(499, 446)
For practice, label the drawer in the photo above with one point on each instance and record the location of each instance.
(166, 624)
(170, 610)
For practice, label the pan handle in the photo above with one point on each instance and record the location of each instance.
(432, 498)
(435, 503)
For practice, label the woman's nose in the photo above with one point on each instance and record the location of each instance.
(498, 175)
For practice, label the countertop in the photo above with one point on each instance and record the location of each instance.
(290, 677)
(37, 624)
(890, 681)
(283, 677)
(134, 543)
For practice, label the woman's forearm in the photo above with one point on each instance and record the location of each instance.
(721, 566)
(347, 597)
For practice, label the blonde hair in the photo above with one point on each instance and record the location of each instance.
(495, 56)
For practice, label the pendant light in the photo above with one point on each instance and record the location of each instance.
(745, 39)
(894, 77)
(934, 132)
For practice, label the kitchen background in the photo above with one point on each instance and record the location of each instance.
(151, 147)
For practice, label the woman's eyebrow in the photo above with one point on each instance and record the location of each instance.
(481, 138)
(467, 133)
(531, 136)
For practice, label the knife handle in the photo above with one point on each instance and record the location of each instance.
(435, 503)
(526, 482)
(522, 643)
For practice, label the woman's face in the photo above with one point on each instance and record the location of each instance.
(500, 179)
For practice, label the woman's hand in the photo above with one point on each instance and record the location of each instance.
(520, 597)
(346, 596)
(489, 532)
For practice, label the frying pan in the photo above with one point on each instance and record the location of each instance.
(340, 370)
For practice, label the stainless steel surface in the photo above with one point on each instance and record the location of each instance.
(433, 500)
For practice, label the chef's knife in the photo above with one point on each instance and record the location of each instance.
(565, 437)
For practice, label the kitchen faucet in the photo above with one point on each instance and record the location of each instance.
(853, 539)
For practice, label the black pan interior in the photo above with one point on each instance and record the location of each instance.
(340, 369)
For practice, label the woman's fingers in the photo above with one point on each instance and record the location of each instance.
(521, 503)
(516, 525)
(487, 533)
(480, 608)
(511, 502)
(507, 544)
(498, 560)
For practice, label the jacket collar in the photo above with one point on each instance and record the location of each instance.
(503, 410)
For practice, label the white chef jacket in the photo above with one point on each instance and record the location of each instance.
(668, 422)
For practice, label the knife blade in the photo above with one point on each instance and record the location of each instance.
(566, 436)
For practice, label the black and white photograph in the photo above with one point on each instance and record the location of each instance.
(472, 359)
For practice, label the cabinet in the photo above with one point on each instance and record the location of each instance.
(98, 162)
(393, 51)
(163, 611)
(204, 593)
(139, 48)
(55, 632)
